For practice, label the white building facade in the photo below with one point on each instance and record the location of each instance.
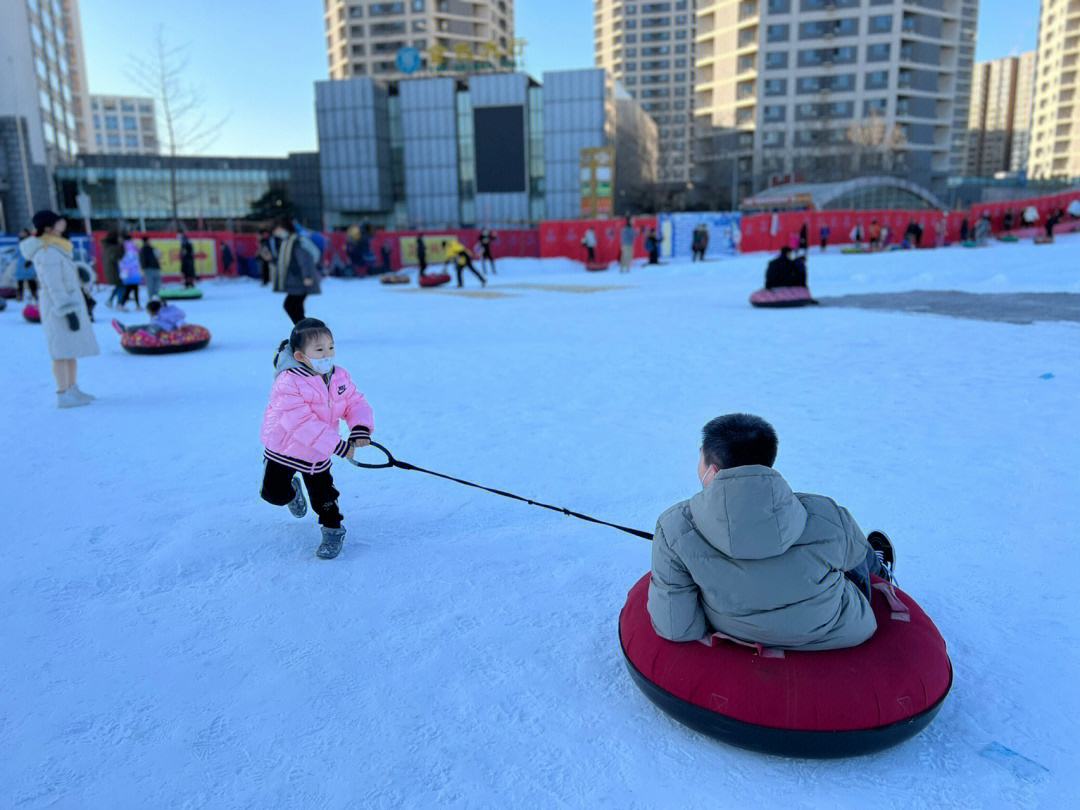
(123, 125)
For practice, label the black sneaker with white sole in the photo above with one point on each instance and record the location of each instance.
(883, 550)
(298, 505)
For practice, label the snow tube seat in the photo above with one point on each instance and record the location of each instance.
(187, 338)
(821, 705)
(596, 267)
(32, 313)
(779, 297)
(394, 278)
(434, 279)
(180, 293)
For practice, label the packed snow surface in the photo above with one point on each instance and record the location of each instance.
(169, 640)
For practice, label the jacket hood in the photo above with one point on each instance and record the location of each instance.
(284, 360)
(749, 513)
(29, 246)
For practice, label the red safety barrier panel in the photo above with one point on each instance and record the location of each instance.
(772, 231)
(563, 237)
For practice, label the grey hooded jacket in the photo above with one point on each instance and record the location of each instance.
(753, 560)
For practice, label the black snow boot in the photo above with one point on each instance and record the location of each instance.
(298, 505)
(883, 549)
(331, 543)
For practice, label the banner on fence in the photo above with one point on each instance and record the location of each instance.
(677, 233)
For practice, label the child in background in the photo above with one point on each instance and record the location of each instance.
(163, 318)
(310, 397)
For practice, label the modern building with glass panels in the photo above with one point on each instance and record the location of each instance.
(497, 149)
(211, 192)
(365, 38)
(822, 90)
(648, 47)
(123, 125)
(43, 100)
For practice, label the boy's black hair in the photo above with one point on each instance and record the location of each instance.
(153, 306)
(739, 439)
(306, 331)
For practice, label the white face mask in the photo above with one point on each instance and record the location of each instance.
(323, 365)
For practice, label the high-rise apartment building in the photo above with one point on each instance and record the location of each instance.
(366, 39)
(43, 103)
(648, 47)
(999, 122)
(1055, 131)
(820, 90)
(123, 125)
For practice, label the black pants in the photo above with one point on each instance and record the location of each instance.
(126, 294)
(487, 257)
(189, 280)
(294, 307)
(590, 253)
(277, 489)
(461, 264)
(264, 267)
(422, 262)
(31, 284)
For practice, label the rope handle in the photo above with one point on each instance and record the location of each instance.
(404, 465)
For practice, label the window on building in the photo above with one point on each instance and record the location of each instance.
(775, 112)
(127, 106)
(877, 80)
(113, 140)
(881, 24)
(779, 6)
(130, 123)
(776, 60)
(776, 87)
(418, 5)
(777, 33)
(131, 141)
(877, 52)
(112, 122)
(874, 105)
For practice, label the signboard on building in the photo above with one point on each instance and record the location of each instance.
(407, 60)
(597, 173)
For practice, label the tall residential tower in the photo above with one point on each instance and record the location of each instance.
(367, 39)
(819, 90)
(999, 123)
(648, 47)
(1055, 131)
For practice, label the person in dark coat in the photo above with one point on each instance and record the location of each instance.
(384, 255)
(804, 239)
(112, 250)
(783, 271)
(421, 253)
(268, 250)
(187, 260)
(296, 270)
(823, 236)
(1008, 220)
(487, 237)
(226, 258)
(1052, 221)
(699, 242)
(652, 246)
(965, 230)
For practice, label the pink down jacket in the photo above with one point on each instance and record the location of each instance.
(301, 420)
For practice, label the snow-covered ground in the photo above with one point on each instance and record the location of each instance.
(168, 640)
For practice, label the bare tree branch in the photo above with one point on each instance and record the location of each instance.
(160, 74)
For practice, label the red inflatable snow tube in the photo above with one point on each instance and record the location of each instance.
(596, 267)
(781, 297)
(187, 338)
(827, 704)
(32, 313)
(434, 279)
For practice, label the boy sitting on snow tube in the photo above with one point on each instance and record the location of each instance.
(757, 563)
(785, 283)
(166, 333)
(163, 318)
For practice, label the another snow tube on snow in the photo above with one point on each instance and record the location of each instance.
(779, 297)
(394, 278)
(187, 338)
(32, 313)
(970, 244)
(596, 267)
(826, 704)
(1009, 238)
(434, 279)
(854, 250)
(8, 292)
(180, 293)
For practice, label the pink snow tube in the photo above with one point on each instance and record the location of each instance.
(32, 313)
(779, 297)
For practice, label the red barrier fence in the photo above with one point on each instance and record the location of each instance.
(1044, 205)
(563, 237)
(772, 231)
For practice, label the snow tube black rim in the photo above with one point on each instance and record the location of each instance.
(785, 304)
(783, 742)
(173, 349)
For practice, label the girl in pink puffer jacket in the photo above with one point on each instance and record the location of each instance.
(310, 397)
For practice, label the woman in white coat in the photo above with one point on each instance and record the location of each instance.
(64, 316)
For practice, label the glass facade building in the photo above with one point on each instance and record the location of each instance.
(498, 149)
(209, 191)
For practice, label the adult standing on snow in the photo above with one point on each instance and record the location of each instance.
(421, 253)
(24, 273)
(487, 237)
(111, 251)
(804, 239)
(626, 246)
(151, 267)
(187, 260)
(64, 316)
(295, 273)
(588, 241)
(823, 237)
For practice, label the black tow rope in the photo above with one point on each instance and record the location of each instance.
(404, 465)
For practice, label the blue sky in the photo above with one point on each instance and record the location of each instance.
(256, 60)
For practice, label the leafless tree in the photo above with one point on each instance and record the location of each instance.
(873, 137)
(161, 74)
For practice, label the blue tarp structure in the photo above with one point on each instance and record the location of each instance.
(9, 256)
(677, 231)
